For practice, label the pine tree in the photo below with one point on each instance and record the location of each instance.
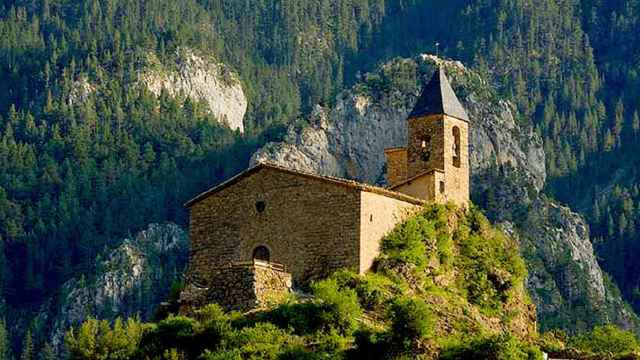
(28, 351)
(47, 352)
(5, 346)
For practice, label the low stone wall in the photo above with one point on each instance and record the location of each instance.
(238, 286)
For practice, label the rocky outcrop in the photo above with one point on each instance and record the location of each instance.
(201, 79)
(130, 280)
(80, 91)
(349, 139)
(566, 281)
(507, 170)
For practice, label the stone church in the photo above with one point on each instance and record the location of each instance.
(269, 228)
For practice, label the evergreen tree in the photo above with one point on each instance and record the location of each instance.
(28, 351)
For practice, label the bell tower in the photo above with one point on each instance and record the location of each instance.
(435, 164)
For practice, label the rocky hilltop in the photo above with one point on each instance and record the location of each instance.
(130, 280)
(507, 169)
(201, 79)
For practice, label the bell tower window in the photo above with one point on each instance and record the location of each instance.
(455, 147)
(425, 148)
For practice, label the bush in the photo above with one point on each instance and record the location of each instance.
(339, 308)
(373, 290)
(95, 339)
(553, 341)
(406, 243)
(606, 339)
(303, 318)
(490, 263)
(411, 320)
(175, 332)
(498, 347)
(263, 341)
(369, 344)
(334, 307)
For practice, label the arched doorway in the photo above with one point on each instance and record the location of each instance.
(261, 253)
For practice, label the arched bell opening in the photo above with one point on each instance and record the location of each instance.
(456, 146)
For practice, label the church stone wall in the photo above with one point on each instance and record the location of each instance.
(456, 178)
(425, 187)
(309, 225)
(429, 129)
(241, 286)
(396, 165)
(437, 132)
(379, 215)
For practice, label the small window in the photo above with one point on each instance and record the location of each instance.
(261, 253)
(455, 147)
(425, 148)
(371, 218)
(260, 206)
(442, 187)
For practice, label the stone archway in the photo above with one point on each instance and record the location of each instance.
(261, 253)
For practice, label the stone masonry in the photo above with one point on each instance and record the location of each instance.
(435, 164)
(239, 286)
(314, 225)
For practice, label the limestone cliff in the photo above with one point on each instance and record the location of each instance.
(130, 280)
(565, 279)
(507, 175)
(202, 79)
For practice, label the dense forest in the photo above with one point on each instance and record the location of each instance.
(77, 175)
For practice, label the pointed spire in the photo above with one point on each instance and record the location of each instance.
(438, 98)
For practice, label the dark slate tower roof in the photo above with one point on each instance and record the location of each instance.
(438, 98)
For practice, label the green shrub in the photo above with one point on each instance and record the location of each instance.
(411, 320)
(490, 264)
(334, 307)
(497, 347)
(339, 308)
(368, 344)
(263, 341)
(330, 344)
(303, 318)
(406, 243)
(373, 290)
(233, 354)
(553, 341)
(175, 332)
(96, 339)
(606, 339)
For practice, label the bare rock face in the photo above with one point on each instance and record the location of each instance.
(565, 279)
(201, 79)
(130, 280)
(349, 139)
(507, 174)
(81, 90)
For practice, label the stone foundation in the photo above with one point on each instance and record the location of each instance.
(238, 286)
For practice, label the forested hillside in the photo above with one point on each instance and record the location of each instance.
(79, 172)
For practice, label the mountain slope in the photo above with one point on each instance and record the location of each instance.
(443, 277)
(507, 175)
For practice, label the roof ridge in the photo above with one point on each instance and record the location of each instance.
(414, 177)
(336, 180)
